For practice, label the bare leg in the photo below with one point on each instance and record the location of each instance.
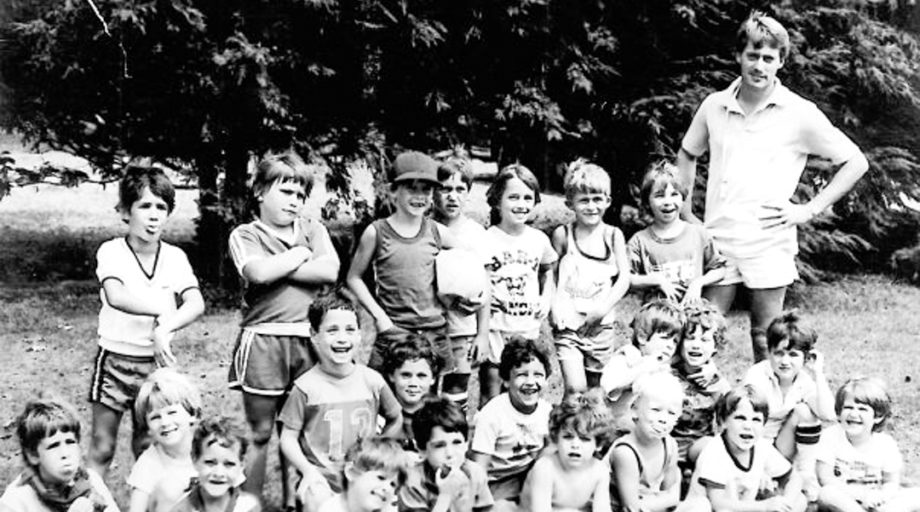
(721, 296)
(573, 375)
(766, 304)
(260, 414)
(490, 384)
(103, 438)
(835, 499)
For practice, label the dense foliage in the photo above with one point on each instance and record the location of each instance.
(203, 85)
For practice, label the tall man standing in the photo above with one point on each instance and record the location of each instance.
(759, 135)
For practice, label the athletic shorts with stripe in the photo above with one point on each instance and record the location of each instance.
(117, 379)
(267, 364)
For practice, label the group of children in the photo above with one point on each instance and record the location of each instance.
(651, 424)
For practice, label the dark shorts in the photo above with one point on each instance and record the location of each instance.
(117, 379)
(437, 339)
(267, 364)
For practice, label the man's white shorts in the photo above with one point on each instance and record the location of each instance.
(771, 269)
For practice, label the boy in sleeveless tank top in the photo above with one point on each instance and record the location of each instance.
(593, 277)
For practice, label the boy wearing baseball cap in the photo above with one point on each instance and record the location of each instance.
(402, 249)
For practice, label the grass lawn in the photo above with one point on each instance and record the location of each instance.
(49, 302)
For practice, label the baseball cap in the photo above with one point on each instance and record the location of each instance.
(414, 165)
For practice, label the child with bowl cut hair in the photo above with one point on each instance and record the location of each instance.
(169, 407)
(285, 261)
(671, 258)
(593, 276)
(569, 476)
(740, 469)
(54, 478)
(859, 466)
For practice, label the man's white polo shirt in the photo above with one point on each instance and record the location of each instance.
(757, 159)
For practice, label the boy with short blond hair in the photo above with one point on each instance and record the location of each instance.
(141, 278)
(593, 276)
(285, 261)
(54, 479)
(334, 404)
(401, 249)
(372, 476)
(168, 406)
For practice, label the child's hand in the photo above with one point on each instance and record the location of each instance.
(82, 504)
(667, 287)
(814, 362)
(384, 324)
(873, 500)
(303, 253)
(694, 293)
(450, 481)
(705, 376)
(162, 352)
(479, 346)
(313, 491)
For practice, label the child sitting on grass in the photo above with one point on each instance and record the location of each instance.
(569, 476)
(411, 367)
(511, 430)
(593, 276)
(372, 475)
(168, 406)
(643, 463)
(859, 466)
(217, 451)
(695, 366)
(656, 329)
(444, 480)
(54, 478)
(334, 404)
(792, 381)
(740, 469)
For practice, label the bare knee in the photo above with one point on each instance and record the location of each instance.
(802, 415)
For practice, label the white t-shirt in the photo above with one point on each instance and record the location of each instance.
(513, 263)
(128, 334)
(864, 465)
(512, 438)
(761, 378)
(163, 478)
(470, 236)
(716, 468)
